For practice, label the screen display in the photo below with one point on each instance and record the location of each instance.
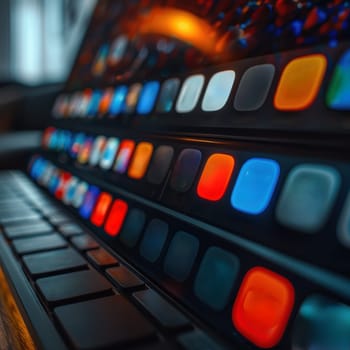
(134, 40)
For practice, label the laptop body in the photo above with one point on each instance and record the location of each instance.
(191, 191)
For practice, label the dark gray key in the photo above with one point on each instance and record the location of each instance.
(38, 244)
(161, 310)
(103, 323)
(11, 209)
(58, 219)
(28, 230)
(49, 210)
(72, 285)
(197, 340)
(69, 230)
(53, 262)
(84, 242)
(14, 206)
(125, 278)
(20, 218)
(101, 258)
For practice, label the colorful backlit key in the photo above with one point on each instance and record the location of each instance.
(263, 306)
(255, 185)
(116, 217)
(300, 83)
(99, 214)
(338, 94)
(140, 160)
(215, 177)
(125, 152)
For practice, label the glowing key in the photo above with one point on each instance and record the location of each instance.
(89, 202)
(300, 83)
(126, 150)
(99, 214)
(338, 94)
(85, 150)
(116, 217)
(148, 96)
(63, 183)
(132, 98)
(106, 101)
(255, 185)
(109, 153)
(263, 306)
(140, 161)
(215, 177)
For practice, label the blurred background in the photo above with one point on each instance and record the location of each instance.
(38, 43)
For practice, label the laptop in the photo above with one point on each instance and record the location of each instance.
(192, 186)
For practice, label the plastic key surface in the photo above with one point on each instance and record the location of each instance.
(109, 322)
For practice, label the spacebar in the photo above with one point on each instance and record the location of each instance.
(103, 323)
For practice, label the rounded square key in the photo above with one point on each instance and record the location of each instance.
(132, 228)
(218, 91)
(255, 185)
(263, 306)
(343, 228)
(125, 152)
(132, 98)
(160, 164)
(140, 160)
(254, 87)
(308, 197)
(215, 177)
(106, 100)
(189, 94)
(154, 239)
(168, 94)
(116, 217)
(79, 194)
(322, 322)
(109, 153)
(99, 214)
(181, 255)
(148, 97)
(216, 277)
(97, 150)
(186, 169)
(89, 202)
(300, 83)
(117, 103)
(338, 94)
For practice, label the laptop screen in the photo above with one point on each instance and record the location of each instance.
(162, 43)
(205, 142)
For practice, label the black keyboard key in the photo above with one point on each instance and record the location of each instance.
(16, 206)
(102, 258)
(26, 229)
(20, 218)
(58, 219)
(103, 323)
(38, 244)
(72, 285)
(197, 340)
(125, 278)
(69, 230)
(161, 310)
(84, 242)
(48, 209)
(53, 262)
(11, 210)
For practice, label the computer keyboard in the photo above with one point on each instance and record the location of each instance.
(91, 296)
